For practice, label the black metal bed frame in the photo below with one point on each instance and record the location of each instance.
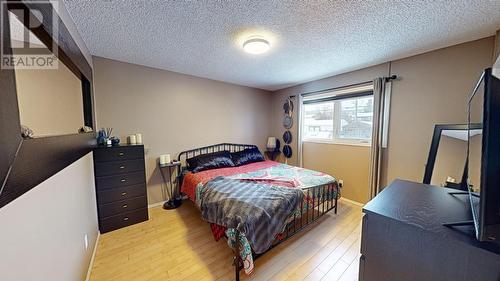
(321, 197)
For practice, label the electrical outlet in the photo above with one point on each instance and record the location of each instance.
(341, 183)
(86, 240)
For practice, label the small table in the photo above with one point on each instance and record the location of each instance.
(272, 155)
(174, 200)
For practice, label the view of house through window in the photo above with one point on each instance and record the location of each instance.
(347, 120)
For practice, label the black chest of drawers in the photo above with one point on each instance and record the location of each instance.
(120, 182)
(403, 237)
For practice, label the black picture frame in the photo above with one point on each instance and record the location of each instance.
(25, 163)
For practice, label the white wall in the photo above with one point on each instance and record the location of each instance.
(42, 232)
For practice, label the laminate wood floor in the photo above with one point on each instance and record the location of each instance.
(178, 245)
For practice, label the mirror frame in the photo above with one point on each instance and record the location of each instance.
(28, 162)
(431, 159)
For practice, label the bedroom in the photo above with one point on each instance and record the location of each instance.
(176, 75)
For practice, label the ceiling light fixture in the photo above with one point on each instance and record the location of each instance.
(256, 46)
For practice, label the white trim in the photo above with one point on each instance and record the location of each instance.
(352, 202)
(338, 92)
(91, 264)
(336, 139)
(335, 142)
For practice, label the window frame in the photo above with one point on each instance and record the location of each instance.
(332, 96)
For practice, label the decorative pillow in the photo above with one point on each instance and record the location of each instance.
(247, 156)
(214, 160)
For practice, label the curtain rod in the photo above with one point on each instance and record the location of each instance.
(386, 78)
(389, 78)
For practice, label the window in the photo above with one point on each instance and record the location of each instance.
(318, 121)
(342, 120)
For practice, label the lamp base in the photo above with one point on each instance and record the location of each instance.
(172, 204)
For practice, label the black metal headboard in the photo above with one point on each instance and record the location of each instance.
(187, 154)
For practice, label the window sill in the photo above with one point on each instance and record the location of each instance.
(349, 143)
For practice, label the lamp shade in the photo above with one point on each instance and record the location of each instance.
(271, 143)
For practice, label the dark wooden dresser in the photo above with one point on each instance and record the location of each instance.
(120, 182)
(403, 238)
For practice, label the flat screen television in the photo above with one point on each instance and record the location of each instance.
(483, 157)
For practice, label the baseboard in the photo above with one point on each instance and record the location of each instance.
(156, 204)
(91, 264)
(352, 202)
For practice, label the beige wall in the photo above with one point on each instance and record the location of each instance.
(42, 232)
(450, 160)
(432, 89)
(325, 157)
(175, 112)
(50, 100)
(496, 56)
(347, 162)
(475, 162)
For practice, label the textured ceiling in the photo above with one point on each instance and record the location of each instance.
(310, 39)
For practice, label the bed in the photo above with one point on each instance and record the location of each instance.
(257, 205)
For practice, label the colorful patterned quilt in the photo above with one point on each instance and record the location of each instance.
(286, 175)
(268, 173)
(258, 210)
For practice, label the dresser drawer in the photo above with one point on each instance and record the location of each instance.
(118, 167)
(120, 180)
(119, 153)
(118, 207)
(122, 220)
(121, 193)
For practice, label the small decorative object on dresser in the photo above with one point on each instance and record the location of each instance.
(104, 136)
(138, 138)
(132, 139)
(166, 170)
(120, 182)
(115, 141)
(26, 132)
(85, 129)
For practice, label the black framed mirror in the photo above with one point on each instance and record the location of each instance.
(447, 161)
(25, 163)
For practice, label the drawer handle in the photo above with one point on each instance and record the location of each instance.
(124, 193)
(125, 206)
(125, 218)
(121, 154)
(123, 180)
(122, 167)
